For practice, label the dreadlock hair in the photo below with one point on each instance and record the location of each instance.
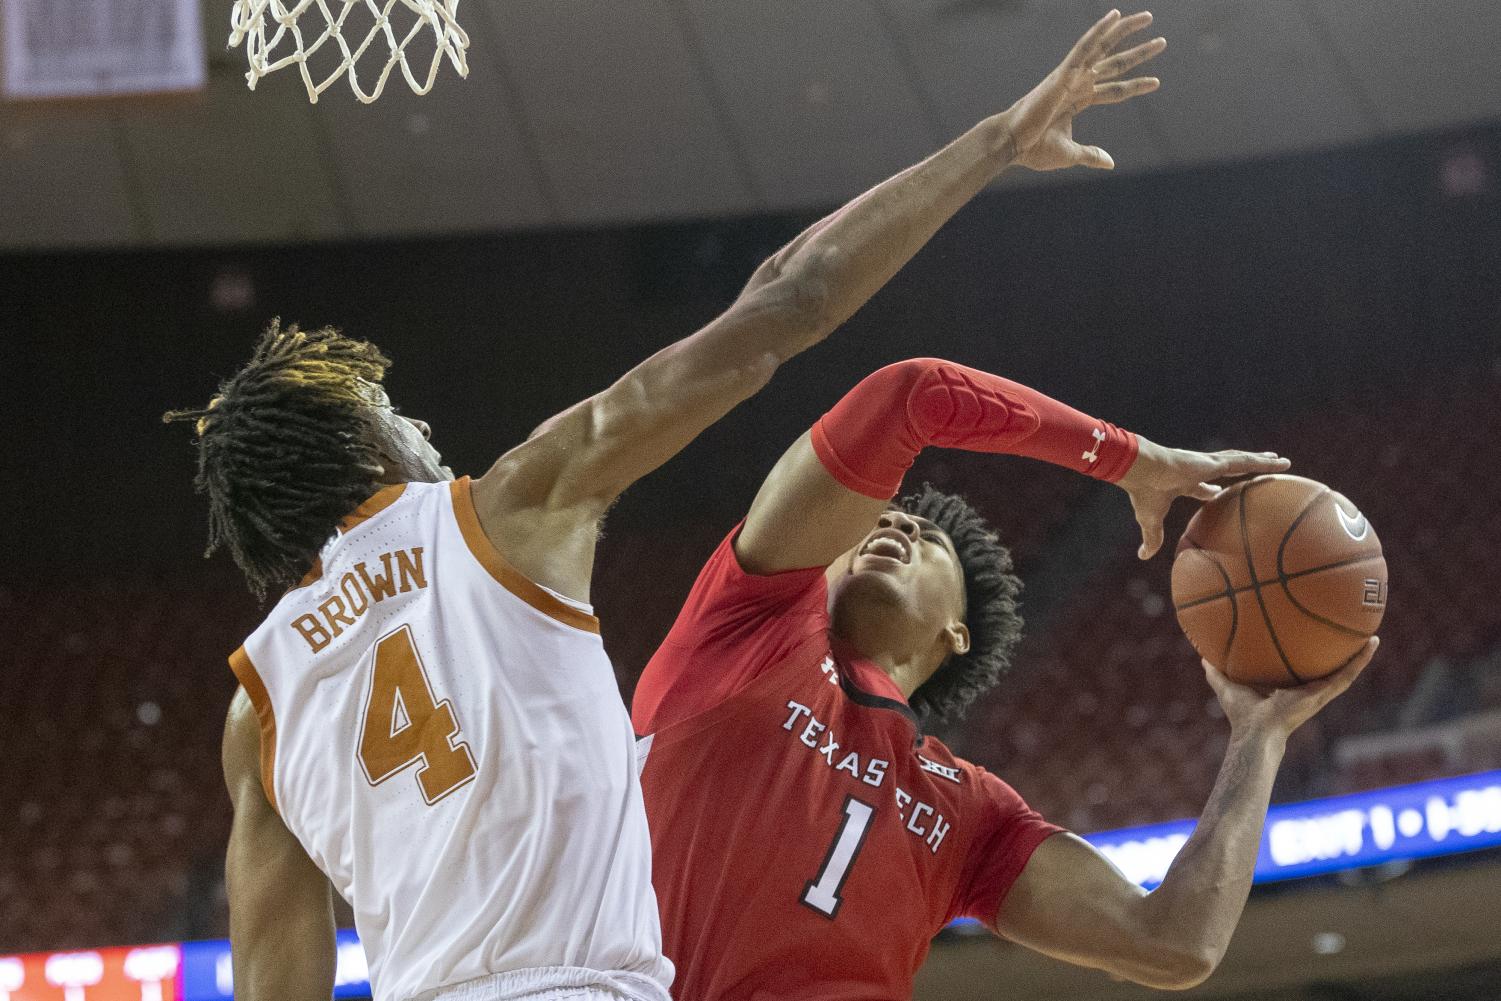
(284, 450)
(990, 593)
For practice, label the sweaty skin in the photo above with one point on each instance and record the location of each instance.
(541, 502)
(897, 597)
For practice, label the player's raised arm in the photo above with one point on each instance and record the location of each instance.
(827, 490)
(878, 233)
(572, 469)
(281, 916)
(1071, 903)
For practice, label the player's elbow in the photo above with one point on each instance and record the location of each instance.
(1187, 973)
(1174, 966)
(798, 303)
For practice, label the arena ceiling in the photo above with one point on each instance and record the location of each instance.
(600, 112)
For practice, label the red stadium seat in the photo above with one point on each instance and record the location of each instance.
(1106, 721)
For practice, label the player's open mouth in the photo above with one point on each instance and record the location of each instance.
(889, 543)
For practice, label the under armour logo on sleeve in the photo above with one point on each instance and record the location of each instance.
(1093, 455)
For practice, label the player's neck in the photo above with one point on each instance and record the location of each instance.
(907, 676)
(907, 668)
(395, 476)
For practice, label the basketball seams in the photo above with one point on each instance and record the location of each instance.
(1245, 541)
(1298, 638)
(1228, 593)
(1315, 616)
(1295, 575)
(1283, 577)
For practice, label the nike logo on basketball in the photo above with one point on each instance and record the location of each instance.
(1356, 528)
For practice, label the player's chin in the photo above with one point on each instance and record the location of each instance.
(869, 563)
(877, 579)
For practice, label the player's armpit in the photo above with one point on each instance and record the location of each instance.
(281, 915)
(1072, 904)
(802, 516)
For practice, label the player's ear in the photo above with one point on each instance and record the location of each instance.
(956, 638)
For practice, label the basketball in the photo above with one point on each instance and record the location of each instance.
(728, 482)
(1279, 581)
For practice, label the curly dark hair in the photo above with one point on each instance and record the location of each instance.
(284, 450)
(990, 593)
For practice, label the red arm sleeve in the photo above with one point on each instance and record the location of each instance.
(733, 626)
(870, 438)
(1011, 833)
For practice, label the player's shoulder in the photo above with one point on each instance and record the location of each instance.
(729, 603)
(934, 756)
(384, 499)
(399, 499)
(421, 489)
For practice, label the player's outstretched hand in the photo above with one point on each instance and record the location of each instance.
(1161, 475)
(1278, 713)
(1042, 123)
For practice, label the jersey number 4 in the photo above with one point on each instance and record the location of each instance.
(403, 725)
(822, 892)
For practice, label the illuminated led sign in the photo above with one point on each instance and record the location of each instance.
(207, 974)
(1300, 839)
(144, 973)
(1344, 832)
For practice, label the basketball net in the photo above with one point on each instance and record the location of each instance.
(278, 33)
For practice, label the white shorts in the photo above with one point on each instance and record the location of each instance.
(554, 983)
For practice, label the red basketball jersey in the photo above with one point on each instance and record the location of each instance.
(807, 839)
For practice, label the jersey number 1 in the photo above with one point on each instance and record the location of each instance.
(822, 892)
(403, 724)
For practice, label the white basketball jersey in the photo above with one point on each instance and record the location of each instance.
(447, 741)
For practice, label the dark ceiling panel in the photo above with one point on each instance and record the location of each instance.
(623, 120)
(61, 180)
(1424, 65)
(819, 94)
(234, 166)
(454, 160)
(585, 112)
(1247, 78)
(976, 58)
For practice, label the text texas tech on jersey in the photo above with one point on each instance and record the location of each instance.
(805, 834)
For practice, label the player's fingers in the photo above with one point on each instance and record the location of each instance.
(1358, 663)
(1084, 52)
(1122, 29)
(1114, 66)
(1123, 90)
(1216, 678)
(1090, 156)
(1236, 463)
(1151, 536)
(1206, 492)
